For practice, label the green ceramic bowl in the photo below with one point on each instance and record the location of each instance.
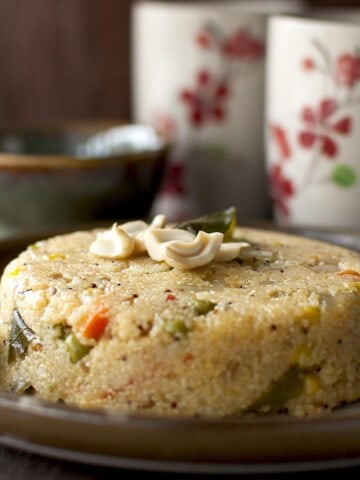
(78, 173)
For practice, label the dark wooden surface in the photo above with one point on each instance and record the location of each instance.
(63, 59)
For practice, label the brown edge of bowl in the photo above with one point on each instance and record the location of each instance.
(49, 162)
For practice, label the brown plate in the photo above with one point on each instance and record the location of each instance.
(270, 443)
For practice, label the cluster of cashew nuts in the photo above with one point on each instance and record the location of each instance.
(178, 248)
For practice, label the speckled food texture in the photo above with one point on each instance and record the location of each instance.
(283, 335)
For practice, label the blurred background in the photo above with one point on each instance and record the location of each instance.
(69, 59)
(65, 61)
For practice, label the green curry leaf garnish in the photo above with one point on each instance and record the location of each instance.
(223, 222)
(20, 337)
(288, 386)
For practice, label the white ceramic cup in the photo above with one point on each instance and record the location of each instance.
(198, 74)
(313, 121)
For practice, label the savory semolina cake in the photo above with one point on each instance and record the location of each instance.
(275, 329)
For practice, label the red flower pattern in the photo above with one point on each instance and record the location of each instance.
(308, 64)
(206, 101)
(281, 189)
(280, 138)
(174, 182)
(320, 127)
(204, 39)
(347, 69)
(243, 46)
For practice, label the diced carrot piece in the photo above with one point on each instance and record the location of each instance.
(95, 323)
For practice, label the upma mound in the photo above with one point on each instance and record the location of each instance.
(277, 329)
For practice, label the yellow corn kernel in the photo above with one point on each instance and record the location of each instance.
(311, 383)
(301, 355)
(312, 313)
(14, 272)
(56, 256)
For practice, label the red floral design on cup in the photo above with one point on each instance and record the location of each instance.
(347, 69)
(343, 69)
(204, 39)
(320, 127)
(174, 183)
(281, 189)
(243, 45)
(280, 137)
(207, 100)
(308, 64)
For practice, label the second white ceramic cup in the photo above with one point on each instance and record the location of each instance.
(313, 121)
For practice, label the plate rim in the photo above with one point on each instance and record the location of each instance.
(149, 465)
(340, 425)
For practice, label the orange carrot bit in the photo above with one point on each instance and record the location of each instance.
(349, 272)
(188, 357)
(95, 323)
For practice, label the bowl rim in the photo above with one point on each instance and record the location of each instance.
(45, 161)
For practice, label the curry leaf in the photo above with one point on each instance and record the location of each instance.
(20, 337)
(223, 222)
(288, 386)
